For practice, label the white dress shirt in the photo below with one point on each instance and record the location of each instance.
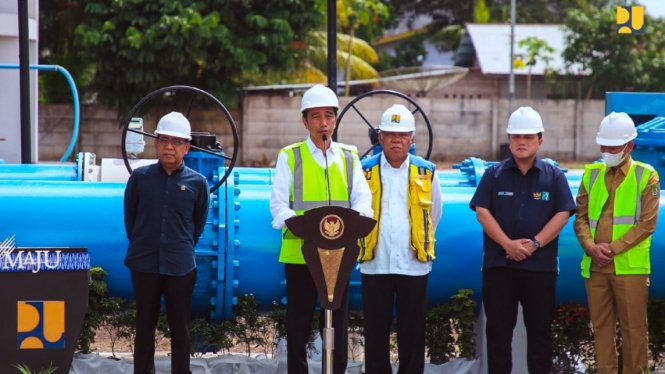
(361, 196)
(393, 254)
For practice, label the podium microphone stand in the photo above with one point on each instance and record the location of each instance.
(330, 246)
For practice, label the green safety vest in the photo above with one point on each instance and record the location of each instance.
(310, 190)
(627, 211)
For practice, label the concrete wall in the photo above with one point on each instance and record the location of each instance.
(473, 85)
(539, 88)
(477, 85)
(101, 130)
(461, 127)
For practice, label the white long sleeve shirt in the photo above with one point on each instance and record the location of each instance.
(361, 196)
(393, 254)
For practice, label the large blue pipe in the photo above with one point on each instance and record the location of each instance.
(238, 251)
(60, 172)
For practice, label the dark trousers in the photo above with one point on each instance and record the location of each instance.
(148, 291)
(503, 289)
(301, 296)
(379, 293)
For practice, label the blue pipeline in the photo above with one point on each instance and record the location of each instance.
(55, 172)
(238, 251)
(465, 174)
(75, 100)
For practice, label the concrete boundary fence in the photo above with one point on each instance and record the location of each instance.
(461, 127)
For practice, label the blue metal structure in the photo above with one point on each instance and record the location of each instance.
(636, 104)
(648, 112)
(650, 144)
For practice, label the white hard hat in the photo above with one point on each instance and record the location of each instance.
(525, 120)
(319, 96)
(174, 124)
(397, 119)
(616, 129)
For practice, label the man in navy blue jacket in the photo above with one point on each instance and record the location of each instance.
(522, 204)
(166, 206)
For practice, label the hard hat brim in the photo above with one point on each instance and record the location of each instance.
(395, 129)
(613, 142)
(173, 134)
(524, 132)
(318, 106)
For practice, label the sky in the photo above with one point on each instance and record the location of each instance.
(655, 8)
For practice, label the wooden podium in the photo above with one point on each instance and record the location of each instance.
(330, 246)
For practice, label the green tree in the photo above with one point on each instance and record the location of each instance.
(361, 54)
(138, 46)
(449, 331)
(410, 52)
(614, 62)
(540, 11)
(249, 328)
(119, 320)
(95, 311)
(536, 49)
(351, 14)
(57, 22)
(312, 66)
(449, 37)
(454, 12)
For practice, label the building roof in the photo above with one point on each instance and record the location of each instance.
(490, 45)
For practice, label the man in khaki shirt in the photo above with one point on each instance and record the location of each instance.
(613, 288)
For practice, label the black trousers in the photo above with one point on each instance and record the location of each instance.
(148, 291)
(301, 296)
(379, 293)
(503, 289)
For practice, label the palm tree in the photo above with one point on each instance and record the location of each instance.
(351, 15)
(535, 49)
(315, 56)
(355, 54)
(450, 36)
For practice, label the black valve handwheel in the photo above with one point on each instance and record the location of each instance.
(373, 130)
(195, 91)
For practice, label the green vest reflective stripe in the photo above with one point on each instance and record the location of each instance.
(626, 213)
(310, 188)
(419, 199)
(296, 163)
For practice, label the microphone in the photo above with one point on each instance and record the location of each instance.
(325, 156)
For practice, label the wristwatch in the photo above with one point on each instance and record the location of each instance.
(535, 243)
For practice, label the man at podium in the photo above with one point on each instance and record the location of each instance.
(309, 174)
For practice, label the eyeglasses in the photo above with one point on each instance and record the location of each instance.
(399, 135)
(175, 142)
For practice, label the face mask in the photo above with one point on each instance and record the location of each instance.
(613, 159)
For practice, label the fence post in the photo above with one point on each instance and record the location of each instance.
(579, 108)
(494, 137)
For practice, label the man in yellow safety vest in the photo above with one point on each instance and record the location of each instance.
(397, 255)
(617, 209)
(309, 174)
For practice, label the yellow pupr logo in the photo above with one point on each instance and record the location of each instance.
(630, 19)
(41, 324)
